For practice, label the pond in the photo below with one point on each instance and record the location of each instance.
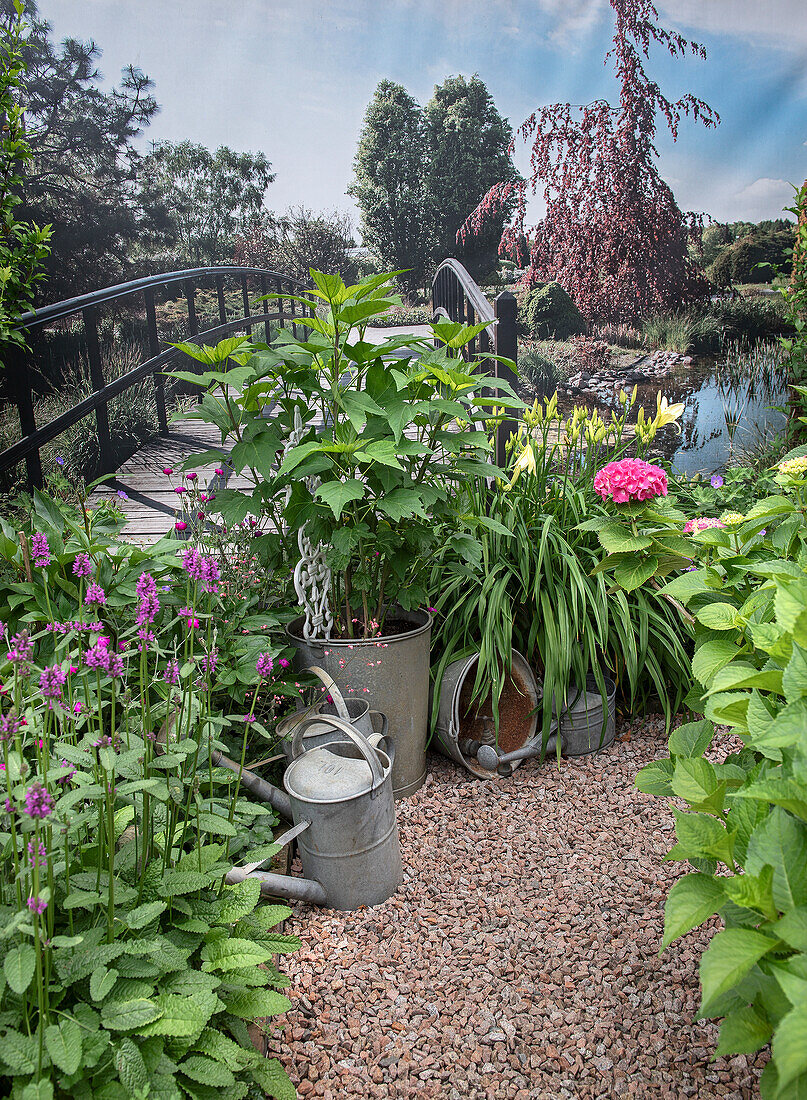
(731, 406)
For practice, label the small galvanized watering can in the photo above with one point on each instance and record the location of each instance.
(372, 724)
(339, 796)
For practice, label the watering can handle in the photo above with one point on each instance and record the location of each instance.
(333, 688)
(378, 735)
(357, 738)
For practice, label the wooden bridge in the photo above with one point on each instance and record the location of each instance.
(139, 484)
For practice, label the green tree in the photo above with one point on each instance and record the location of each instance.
(81, 176)
(297, 241)
(23, 246)
(389, 185)
(198, 202)
(468, 143)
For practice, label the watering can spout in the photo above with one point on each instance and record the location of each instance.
(489, 757)
(282, 886)
(277, 799)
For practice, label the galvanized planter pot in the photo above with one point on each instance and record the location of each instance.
(392, 673)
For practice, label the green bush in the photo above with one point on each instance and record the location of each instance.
(548, 312)
(743, 828)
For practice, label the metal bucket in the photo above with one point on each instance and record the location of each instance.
(448, 729)
(581, 722)
(392, 672)
(351, 846)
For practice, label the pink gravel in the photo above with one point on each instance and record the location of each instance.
(519, 959)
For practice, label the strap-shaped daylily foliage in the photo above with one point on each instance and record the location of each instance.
(390, 430)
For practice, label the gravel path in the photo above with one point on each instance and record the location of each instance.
(520, 957)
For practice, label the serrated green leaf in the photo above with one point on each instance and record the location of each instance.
(177, 883)
(131, 1014)
(206, 1070)
(63, 1041)
(718, 616)
(781, 841)
(656, 778)
(101, 982)
(180, 1016)
(743, 1032)
(253, 1004)
(792, 928)
(233, 954)
(694, 779)
(710, 657)
(19, 967)
(692, 739)
(38, 1090)
(145, 914)
(692, 900)
(130, 1065)
(632, 574)
(728, 958)
(790, 1046)
(237, 901)
(18, 1051)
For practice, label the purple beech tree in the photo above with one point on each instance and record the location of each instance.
(613, 234)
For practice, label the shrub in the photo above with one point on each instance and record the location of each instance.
(744, 828)
(541, 371)
(548, 311)
(590, 354)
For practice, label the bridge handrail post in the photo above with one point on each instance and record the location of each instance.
(154, 350)
(90, 318)
(20, 378)
(505, 309)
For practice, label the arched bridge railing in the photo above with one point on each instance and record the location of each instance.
(456, 295)
(139, 293)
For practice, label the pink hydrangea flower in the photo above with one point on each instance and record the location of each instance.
(701, 523)
(630, 479)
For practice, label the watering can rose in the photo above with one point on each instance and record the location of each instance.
(630, 479)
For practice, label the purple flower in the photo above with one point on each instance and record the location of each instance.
(38, 802)
(180, 489)
(36, 856)
(9, 806)
(283, 662)
(21, 648)
(82, 566)
(208, 663)
(264, 666)
(37, 905)
(168, 471)
(192, 563)
(67, 773)
(98, 656)
(249, 719)
(191, 477)
(171, 674)
(716, 481)
(95, 594)
(146, 589)
(209, 575)
(122, 495)
(9, 727)
(59, 460)
(51, 681)
(40, 550)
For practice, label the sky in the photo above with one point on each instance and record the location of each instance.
(293, 78)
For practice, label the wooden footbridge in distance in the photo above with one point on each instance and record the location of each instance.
(139, 484)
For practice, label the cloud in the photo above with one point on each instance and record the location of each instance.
(780, 23)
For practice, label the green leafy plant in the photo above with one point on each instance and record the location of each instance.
(523, 571)
(131, 966)
(365, 445)
(23, 246)
(744, 826)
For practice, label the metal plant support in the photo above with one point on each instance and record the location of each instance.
(312, 576)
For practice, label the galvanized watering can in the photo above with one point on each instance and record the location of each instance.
(372, 724)
(339, 796)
